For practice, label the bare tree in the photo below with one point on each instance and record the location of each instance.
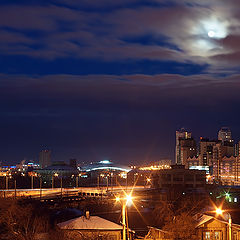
(21, 222)
(177, 219)
(181, 227)
(75, 234)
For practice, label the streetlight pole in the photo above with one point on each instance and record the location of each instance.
(76, 182)
(6, 182)
(54, 175)
(15, 188)
(230, 226)
(61, 186)
(107, 182)
(126, 200)
(124, 220)
(40, 187)
(32, 181)
(219, 211)
(52, 181)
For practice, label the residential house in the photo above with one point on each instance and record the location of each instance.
(91, 227)
(207, 228)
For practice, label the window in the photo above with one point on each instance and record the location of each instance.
(206, 235)
(235, 236)
(217, 235)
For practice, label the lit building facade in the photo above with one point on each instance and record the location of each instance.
(225, 134)
(179, 177)
(180, 136)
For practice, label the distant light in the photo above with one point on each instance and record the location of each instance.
(227, 195)
(117, 199)
(105, 162)
(235, 199)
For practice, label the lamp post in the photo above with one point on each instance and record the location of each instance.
(61, 187)
(219, 211)
(40, 188)
(6, 180)
(32, 179)
(127, 200)
(77, 182)
(54, 175)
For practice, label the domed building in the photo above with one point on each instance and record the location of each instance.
(105, 173)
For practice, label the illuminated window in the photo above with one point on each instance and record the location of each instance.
(207, 235)
(235, 199)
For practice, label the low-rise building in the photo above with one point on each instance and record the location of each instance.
(91, 227)
(177, 177)
(207, 228)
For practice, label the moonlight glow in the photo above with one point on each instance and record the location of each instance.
(215, 28)
(211, 34)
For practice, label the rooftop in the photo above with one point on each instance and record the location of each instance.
(91, 223)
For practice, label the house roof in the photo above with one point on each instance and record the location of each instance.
(93, 223)
(206, 218)
(203, 219)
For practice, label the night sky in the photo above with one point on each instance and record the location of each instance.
(114, 79)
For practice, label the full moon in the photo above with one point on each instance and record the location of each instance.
(211, 34)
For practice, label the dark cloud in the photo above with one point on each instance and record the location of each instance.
(59, 31)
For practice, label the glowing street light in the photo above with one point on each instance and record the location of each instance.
(126, 201)
(54, 175)
(219, 211)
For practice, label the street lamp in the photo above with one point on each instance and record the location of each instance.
(219, 211)
(54, 175)
(32, 179)
(126, 201)
(6, 180)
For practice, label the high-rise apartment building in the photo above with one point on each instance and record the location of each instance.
(206, 151)
(180, 136)
(225, 134)
(45, 158)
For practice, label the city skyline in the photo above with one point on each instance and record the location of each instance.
(96, 80)
(190, 135)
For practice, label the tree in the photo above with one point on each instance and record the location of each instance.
(177, 218)
(75, 234)
(181, 227)
(21, 221)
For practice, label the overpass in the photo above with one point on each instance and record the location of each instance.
(48, 193)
